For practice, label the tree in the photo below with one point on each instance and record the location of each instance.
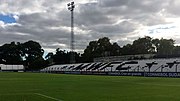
(176, 50)
(116, 50)
(49, 58)
(127, 50)
(61, 57)
(37, 64)
(104, 46)
(156, 43)
(100, 48)
(165, 47)
(27, 53)
(31, 51)
(10, 53)
(90, 52)
(143, 45)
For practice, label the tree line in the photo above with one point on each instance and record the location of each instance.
(163, 48)
(30, 53)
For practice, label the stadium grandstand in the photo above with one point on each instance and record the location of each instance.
(12, 68)
(160, 67)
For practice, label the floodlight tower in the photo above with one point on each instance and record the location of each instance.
(71, 7)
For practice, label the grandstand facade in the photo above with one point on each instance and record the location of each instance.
(146, 67)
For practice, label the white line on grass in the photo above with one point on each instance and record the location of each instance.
(48, 97)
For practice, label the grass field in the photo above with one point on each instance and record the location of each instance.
(58, 87)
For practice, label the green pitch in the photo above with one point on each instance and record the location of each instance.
(57, 87)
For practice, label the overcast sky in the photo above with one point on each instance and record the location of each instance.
(48, 21)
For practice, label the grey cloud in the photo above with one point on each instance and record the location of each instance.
(91, 14)
(173, 7)
(96, 20)
(113, 3)
(141, 6)
(123, 27)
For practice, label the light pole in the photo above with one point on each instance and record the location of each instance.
(71, 7)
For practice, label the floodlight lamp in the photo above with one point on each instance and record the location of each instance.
(69, 8)
(68, 4)
(73, 6)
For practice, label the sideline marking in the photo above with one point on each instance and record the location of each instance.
(47, 96)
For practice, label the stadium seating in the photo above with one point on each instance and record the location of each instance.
(148, 65)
